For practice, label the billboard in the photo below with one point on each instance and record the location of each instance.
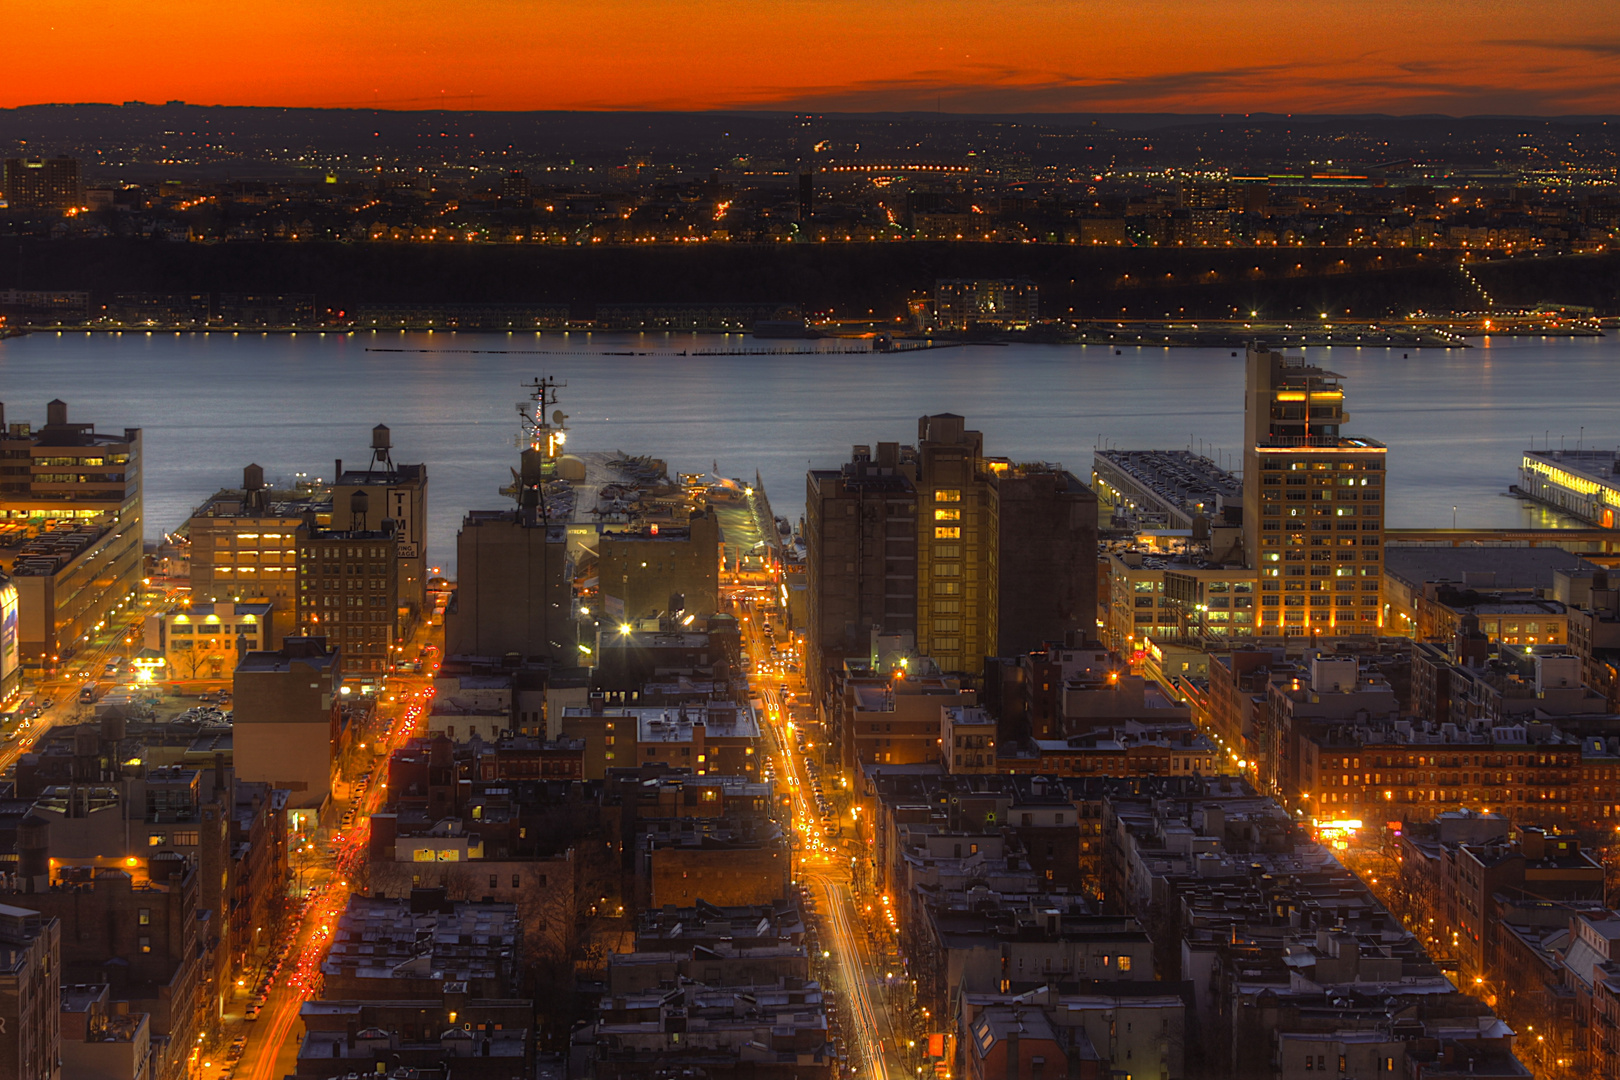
(8, 632)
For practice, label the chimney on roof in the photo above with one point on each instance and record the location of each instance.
(1471, 647)
(33, 853)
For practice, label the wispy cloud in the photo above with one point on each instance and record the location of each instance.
(1408, 86)
(1590, 48)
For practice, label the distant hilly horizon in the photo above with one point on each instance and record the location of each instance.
(1137, 120)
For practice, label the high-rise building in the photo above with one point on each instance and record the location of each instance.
(513, 588)
(958, 544)
(920, 543)
(348, 590)
(42, 183)
(1204, 218)
(514, 568)
(1313, 502)
(398, 494)
(861, 572)
(515, 191)
(1048, 560)
(244, 546)
(70, 528)
(30, 986)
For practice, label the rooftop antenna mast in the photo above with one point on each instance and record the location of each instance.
(538, 430)
(541, 444)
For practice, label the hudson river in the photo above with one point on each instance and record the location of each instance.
(1455, 421)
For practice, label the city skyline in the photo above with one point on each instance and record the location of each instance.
(1429, 56)
(1221, 683)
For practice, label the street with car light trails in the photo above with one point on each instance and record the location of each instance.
(272, 1048)
(823, 863)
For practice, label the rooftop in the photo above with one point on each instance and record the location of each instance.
(1188, 481)
(288, 505)
(1485, 568)
(379, 938)
(293, 650)
(675, 723)
(1598, 466)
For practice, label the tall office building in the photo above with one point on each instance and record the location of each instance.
(70, 528)
(348, 589)
(1313, 502)
(958, 545)
(861, 573)
(395, 493)
(1048, 559)
(42, 183)
(244, 546)
(515, 192)
(913, 542)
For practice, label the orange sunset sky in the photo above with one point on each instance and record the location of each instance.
(1400, 56)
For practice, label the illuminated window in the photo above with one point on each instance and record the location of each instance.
(947, 515)
(947, 495)
(1124, 963)
(947, 532)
